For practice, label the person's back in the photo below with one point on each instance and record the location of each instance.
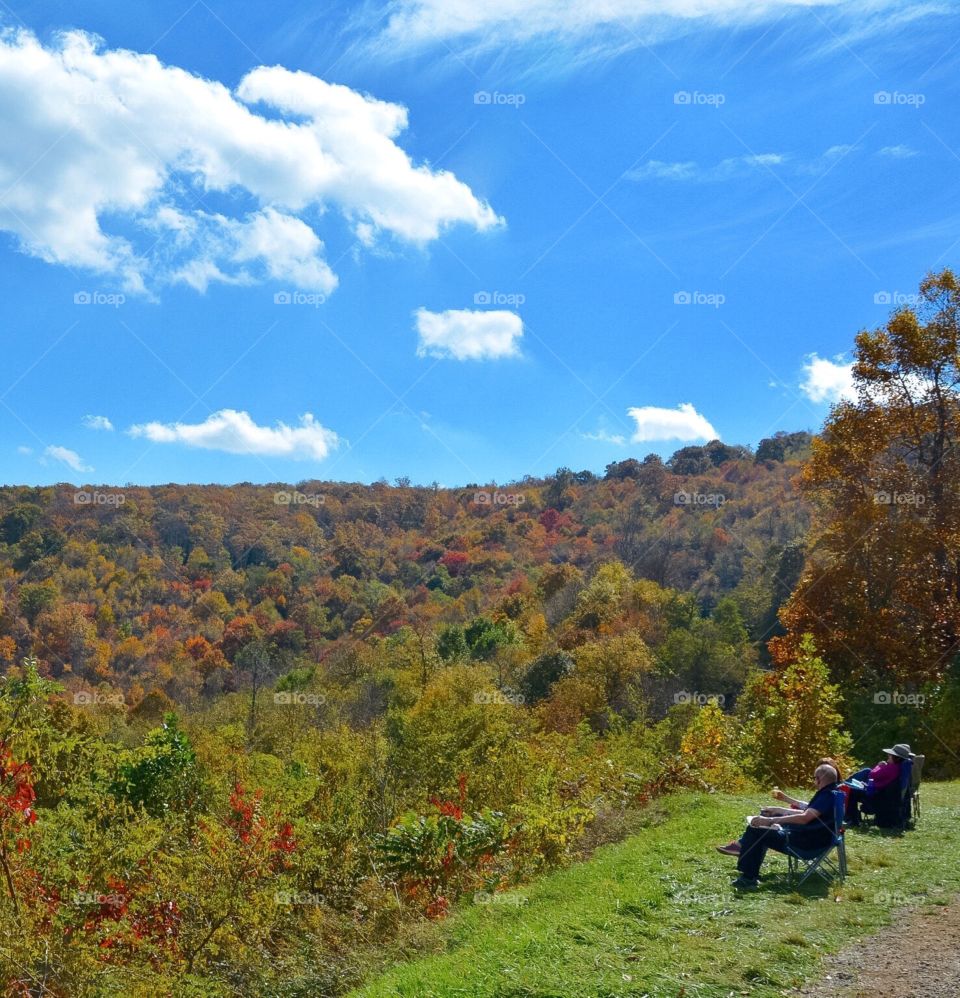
(821, 831)
(886, 774)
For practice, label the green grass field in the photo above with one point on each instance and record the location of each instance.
(655, 915)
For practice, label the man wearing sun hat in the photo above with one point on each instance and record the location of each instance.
(885, 775)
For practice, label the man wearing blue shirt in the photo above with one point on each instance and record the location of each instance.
(810, 828)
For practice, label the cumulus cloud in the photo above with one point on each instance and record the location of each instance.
(235, 432)
(97, 423)
(68, 457)
(826, 380)
(97, 139)
(682, 423)
(736, 166)
(466, 334)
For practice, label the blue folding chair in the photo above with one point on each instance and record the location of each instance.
(804, 863)
(916, 776)
(892, 806)
(906, 793)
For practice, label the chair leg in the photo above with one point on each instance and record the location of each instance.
(824, 867)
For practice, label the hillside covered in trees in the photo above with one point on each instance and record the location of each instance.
(248, 733)
(185, 591)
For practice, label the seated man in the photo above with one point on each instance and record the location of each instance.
(811, 828)
(793, 804)
(885, 776)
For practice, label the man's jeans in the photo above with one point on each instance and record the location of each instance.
(755, 842)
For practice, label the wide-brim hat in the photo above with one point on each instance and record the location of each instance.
(901, 751)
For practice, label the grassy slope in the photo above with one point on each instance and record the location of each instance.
(655, 915)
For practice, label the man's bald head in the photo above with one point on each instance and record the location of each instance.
(825, 775)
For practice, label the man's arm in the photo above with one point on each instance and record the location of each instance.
(792, 801)
(794, 818)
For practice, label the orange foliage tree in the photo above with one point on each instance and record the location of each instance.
(881, 589)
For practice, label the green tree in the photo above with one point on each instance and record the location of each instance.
(791, 717)
(35, 597)
(162, 776)
(543, 672)
(451, 643)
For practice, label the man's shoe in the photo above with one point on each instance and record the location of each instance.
(746, 884)
(730, 849)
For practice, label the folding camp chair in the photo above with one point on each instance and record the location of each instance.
(906, 792)
(915, 777)
(891, 807)
(803, 863)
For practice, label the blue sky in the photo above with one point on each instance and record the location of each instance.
(511, 237)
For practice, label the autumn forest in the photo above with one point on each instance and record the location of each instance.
(253, 737)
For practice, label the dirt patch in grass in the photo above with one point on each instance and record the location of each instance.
(612, 825)
(916, 957)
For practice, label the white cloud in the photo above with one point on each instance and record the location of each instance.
(658, 170)
(682, 423)
(827, 380)
(465, 334)
(603, 437)
(599, 28)
(760, 159)
(897, 152)
(827, 160)
(236, 433)
(736, 166)
(91, 135)
(68, 457)
(97, 423)
(24, 450)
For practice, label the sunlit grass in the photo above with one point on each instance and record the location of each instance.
(655, 915)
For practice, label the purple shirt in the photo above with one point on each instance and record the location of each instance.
(884, 774)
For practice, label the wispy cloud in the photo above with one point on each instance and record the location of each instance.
(590, 31)
(742, 166)
(736, 166)
(856, 24)
(603, 437)
(68, 457)
(897, 152)
(827, 160)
